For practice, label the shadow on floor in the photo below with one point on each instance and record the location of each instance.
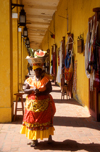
(18, 120)
(67, 101)
(66, 145)
(87, 122)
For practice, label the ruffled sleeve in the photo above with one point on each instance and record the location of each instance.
(29, 81)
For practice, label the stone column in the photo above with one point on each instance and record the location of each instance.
(20, 54)
(15, 52)
(6, 74)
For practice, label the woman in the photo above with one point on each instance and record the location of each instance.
(39, 107)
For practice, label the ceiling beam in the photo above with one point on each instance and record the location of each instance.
(36, 25)
(35, 41)
(54, 8)
(36, 38)
(32, 32)
(40, 23)
(39, 16)
(37, 34)
(37, 29)
(33, 35)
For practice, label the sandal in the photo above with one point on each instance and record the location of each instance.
(29, 143)
(34, 143)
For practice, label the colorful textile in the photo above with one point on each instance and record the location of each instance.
(87, 55)
(39, 112)
(58, 73)
(69, 71)
(67, 60)
(38, 84)
(33, 135)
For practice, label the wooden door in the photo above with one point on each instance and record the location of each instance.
(70, 84)
(63, 57)
(54, 62)
(48, 61)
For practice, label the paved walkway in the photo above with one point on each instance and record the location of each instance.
(75, 130)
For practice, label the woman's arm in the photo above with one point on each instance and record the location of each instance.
(46, 92)
(28, 90)
(48, 88)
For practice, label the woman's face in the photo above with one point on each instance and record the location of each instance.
(38, 72)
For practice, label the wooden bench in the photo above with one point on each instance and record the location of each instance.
(63, 88)
(63, 91)
(19, 95)
(21, 86)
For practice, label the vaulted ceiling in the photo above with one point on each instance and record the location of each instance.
(39, 14)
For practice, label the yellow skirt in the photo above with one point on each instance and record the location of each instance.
(36, 134)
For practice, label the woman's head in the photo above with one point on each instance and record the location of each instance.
(38, 72)
(37, 67)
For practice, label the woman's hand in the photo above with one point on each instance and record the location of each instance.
(29, 90)
(36, 92)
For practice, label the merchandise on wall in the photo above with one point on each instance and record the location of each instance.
(92, 63)
(47, 63)
(54, 60)
(91, 50)
(51, 63)
(80, 44)
(59, 73)
(62, 62)
(68, 64)
(53, 70)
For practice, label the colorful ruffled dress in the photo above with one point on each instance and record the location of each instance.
(39, 112)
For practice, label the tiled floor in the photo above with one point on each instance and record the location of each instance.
(75, 130)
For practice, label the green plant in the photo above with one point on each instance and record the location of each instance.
(31, 52)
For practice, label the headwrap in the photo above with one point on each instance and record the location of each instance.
(37, 65)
